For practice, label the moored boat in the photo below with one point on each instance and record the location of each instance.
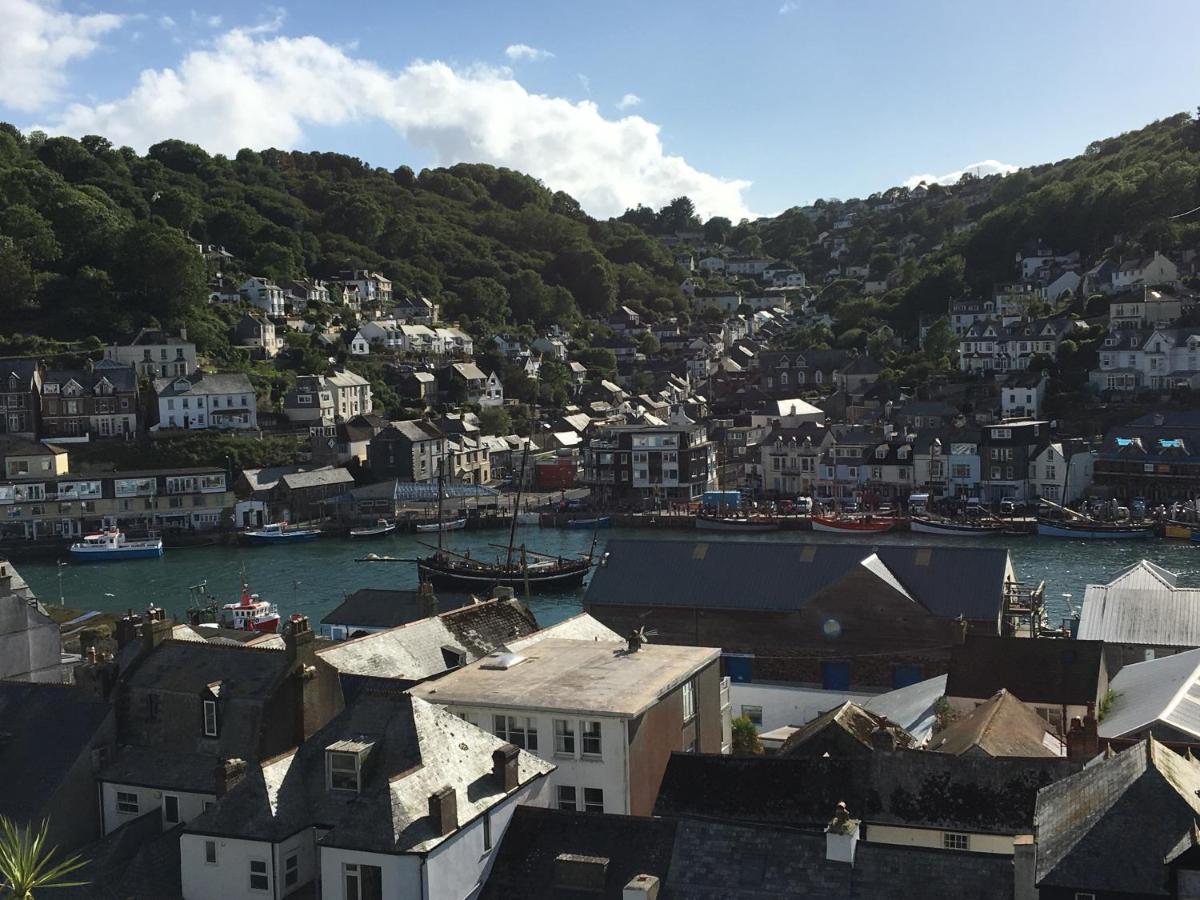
(448, 572)
(1179, 531)
(595, 522)
(931, 525)
(1089, 528)
(381, 528)
(450, 525)
(278, 534)
(706, 522)
(250, 613)
(112, 545)
(864, 524)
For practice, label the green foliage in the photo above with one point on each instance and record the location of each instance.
(745, 737)
(28, 865)
(495, 420)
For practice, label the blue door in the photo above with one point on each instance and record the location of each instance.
(904, 675)
(740, 669)
(835, 676)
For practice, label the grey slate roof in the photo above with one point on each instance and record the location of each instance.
(48, 726)
(1143, 801)
(380, 608)
(1037, 671)
(205, 383)
(755, 575)
(1003, 726)
(907, 787)
(138, 859)
(317, 478)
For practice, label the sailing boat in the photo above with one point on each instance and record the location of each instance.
(450, 571)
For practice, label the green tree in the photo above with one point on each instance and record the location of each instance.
(28, 865)
(649, 345)
(16, 277)
(495, 420)
(745, 737)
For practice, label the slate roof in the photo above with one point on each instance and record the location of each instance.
(24, 369)
(757, 575)
(138, 859)
(1143, 801)
(48, 727)
(417, 748)
(913, 707)
(857, 723)
(1003, 726)
(204, 383)
(1143, 604)
(714, 860)
(1037, 671)
(381, 608)
(317, 478)
(122, 378)
(908, 787)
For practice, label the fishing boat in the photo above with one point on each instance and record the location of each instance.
(932, 525)
(596, 522)
(381, 528)
(716, 522)
(866, 524)
(1090, 528)
(453, 572)
(451, 525)
(278, 533)
(111, 545)
(249, 613)
(1179, 531)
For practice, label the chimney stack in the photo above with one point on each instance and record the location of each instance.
(504, 593)
(128, 628)
(228, 773)
(841, 836)
(1024, 867)
(504, 767)
(883, 738)
(641, 887)
(299, 639)
(155, 629)
(429, 601)
(443, 809)
(1083, 739)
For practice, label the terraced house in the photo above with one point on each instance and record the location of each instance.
(97, 403)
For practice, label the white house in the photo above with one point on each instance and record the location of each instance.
(202, 400)
(1062, 471)
(606, 714)
(263, 294)
(351, 394)
(1156, 269)
(454, 340)
(711, 264)
(1021, 395)
(393, 798)
(1132, 360)
(359, 345)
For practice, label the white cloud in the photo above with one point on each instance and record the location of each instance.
(166, 22)
(517, 52)
(789, 6)
(258, 91)
(214, 21)
(986, 167)
(629, 101)
(585, 83)
(40, 41)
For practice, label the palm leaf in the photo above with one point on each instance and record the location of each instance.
(28, 865)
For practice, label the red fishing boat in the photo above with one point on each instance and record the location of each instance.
(250, 613)
(857, 524)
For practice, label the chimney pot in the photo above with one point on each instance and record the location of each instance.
(641, 887)
(228, 773)
(443, 809)
(504, 766)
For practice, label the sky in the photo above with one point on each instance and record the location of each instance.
(748, 108)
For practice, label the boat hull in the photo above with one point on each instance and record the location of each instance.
(602, 522)
(456, 525)
(1178, 532)
(704, 523)
(289, 537)
(1093, 532)
(928, 526)
(835, 526)
(110, 555)
(367, 533)
(454, 578)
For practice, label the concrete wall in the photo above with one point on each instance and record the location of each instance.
(786, 704)
(190, 805)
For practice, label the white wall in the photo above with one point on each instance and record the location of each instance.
(609, 773)
(229, 878)
(190, 805)
(787, 704)
(402, 873)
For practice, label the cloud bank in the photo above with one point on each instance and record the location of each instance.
(250, 88)
(39, 43)
(986, 167)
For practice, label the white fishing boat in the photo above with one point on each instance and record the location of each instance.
(380, 529)
(451, 525)
(931, 525)
(278, 534)
(112, 545)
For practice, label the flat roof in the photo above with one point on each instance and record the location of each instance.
(574, 676)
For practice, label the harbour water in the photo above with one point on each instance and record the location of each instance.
(314, 577)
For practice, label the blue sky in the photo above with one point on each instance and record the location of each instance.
(749, 108)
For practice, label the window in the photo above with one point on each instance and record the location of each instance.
(566, 797)
(593, 800)
(591, 738)
(127, 803)
(343, 771)
(363, 882)
(689, 700)
(1084, 895)
(210, 718)
(753, 713)
(170, 809)
(291, 869)
(564, 737)
(210, 853)
(517, 730)
(259, 880)
(953, 841)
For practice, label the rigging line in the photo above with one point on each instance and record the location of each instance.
(1182, 214)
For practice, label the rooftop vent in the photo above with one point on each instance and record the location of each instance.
(641, 887)
(501, 661)
(574, 871)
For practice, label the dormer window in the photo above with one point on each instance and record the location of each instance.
(344, 762)
(210, 718)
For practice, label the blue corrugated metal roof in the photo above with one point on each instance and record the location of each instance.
(760, 575)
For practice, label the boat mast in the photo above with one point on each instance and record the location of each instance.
(512, 526)
(441, 484)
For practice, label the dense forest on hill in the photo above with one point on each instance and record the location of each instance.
(96, 240)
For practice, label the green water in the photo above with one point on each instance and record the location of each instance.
(313, 577)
